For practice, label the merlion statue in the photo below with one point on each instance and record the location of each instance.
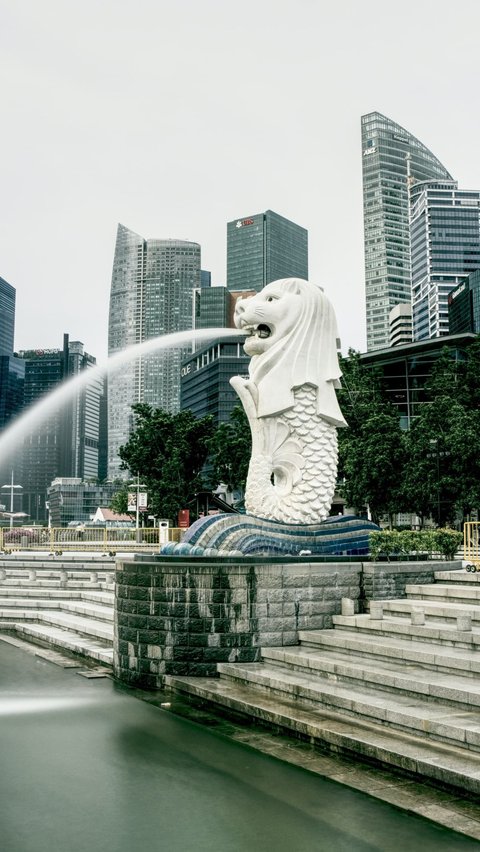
(290, 401)
(293, 412)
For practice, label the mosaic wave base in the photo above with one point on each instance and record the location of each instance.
(247, 535)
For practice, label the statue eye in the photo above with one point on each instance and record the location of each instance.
(271, 298)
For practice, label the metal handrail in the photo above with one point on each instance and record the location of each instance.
(471, 545)
(104, 539)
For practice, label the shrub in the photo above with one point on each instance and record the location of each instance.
(448, 542)
(414, 542)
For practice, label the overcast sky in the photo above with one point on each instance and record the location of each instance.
(176, 117)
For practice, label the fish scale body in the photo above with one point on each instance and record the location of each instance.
(299, 447)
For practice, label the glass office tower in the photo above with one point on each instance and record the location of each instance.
(387, 173)
(445, 247)
(67, 442)
(12, 374)
(7, 317)
(151, 294)
(464, 306)
(262, 248)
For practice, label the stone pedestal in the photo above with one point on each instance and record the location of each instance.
(181, 617)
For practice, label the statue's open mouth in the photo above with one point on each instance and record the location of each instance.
(261, 330)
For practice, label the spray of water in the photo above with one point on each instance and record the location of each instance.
(47, 405)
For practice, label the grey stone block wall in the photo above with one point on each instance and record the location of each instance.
(384, 580)
(180, 617)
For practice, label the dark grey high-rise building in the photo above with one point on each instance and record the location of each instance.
(205, 382)
(392, 160)
(464, 306)
(262, 248)
(12, 373)
(67, 443)
(7, 317)
(12, 369)
(152, 294)
(212, 307)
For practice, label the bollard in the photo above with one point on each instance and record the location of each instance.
(32, 574)
(417, 616)
(3, 575)
(63, 578)
(348, 606)
(376, 610)
(464, 623)
(94, 576)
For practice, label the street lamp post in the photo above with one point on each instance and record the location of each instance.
(137, 486)
(12, 487)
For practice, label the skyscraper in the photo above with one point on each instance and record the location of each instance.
(262, 248)
(445, 237)
(212, 307)
(151, 294)
(464, 306)
(7, 317)
(387, 172)
(67, 443)
(12, 374)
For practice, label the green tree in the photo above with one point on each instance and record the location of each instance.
(230, 449)
(167, 451)
(119, 501)
(371, 449)
(442, 467)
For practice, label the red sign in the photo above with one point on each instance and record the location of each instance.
(184, 518)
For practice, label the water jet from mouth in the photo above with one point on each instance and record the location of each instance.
(36, 414)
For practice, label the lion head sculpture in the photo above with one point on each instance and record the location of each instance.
(292, 338)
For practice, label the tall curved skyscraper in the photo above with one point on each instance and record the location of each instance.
(151, 294)
(387, 173)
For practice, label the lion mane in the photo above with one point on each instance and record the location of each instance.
(307, 355)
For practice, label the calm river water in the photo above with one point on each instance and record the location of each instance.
(87, 767)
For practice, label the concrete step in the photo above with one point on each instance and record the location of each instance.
(57, 564)
(49, 636)
(461, 577)
(389, 675)
(438, 610)
(73, 585)
(98, 595)
(453, 593)
(406, 713)
(419, 756)
(12, 607)
(438, 632)
(437, 657)
(65, 621)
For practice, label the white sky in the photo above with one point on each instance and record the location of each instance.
(175, 117)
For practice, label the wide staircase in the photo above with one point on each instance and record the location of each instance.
(399, 686)
(66, 606)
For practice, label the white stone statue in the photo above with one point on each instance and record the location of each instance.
(290, 401)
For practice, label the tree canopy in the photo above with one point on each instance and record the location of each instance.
(230, 449)
(168, 452)
(431, 469)
(371, 450)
